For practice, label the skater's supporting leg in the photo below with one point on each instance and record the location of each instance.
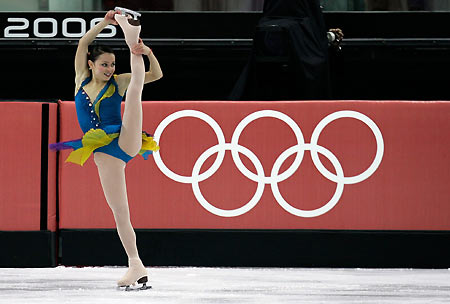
(112, 177)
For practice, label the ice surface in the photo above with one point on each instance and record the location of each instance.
(227, 285)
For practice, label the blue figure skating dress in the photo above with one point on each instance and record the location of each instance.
(101, 122)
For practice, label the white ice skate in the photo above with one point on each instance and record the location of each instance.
(125, 11)
(136, 274)
(130, 25)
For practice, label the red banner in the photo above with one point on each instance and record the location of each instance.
(276, 165)
(20, 166)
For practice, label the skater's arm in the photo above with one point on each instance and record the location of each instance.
(81, 67)
(154, 73)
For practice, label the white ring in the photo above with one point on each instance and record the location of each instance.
(220, 137)
(274, 177)
(221, 212)
(235, 142)
(339, 188)
(378, 137)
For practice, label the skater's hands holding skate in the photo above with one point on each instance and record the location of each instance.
(140, 48)
(109, 17)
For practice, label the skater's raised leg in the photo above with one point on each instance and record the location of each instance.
(130, 139)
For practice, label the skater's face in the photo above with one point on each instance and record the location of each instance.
(103, 67)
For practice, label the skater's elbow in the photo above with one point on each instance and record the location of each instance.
(150, 77)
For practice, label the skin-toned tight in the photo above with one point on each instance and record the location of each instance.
(112, 170)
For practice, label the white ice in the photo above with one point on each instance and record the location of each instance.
(227, 285)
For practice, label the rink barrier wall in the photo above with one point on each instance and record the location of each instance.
(28, 249)
(385, 220)
(261, 248)
(28, 215)
(396, 217)
(393, 154)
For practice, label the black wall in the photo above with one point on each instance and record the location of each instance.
(385, 56)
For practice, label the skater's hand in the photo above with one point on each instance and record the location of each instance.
(140, 48)
(109, 17)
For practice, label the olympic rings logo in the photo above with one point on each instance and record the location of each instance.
(275, 177)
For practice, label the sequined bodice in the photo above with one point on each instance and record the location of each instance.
(104, 111)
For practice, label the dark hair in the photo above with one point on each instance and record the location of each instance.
(97, 50)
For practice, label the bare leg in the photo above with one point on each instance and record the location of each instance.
(112, 176)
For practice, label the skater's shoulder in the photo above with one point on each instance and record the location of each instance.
(122, 81)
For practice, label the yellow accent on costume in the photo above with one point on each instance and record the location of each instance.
(108, 93)
(148, 144)
(96, 138)
(93, 139)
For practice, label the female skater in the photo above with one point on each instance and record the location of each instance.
(114, 141)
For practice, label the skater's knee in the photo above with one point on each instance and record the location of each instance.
(131, 146)
(133, 151)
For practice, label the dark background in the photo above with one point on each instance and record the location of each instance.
(386, 55)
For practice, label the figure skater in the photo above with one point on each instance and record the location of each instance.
(114, 141)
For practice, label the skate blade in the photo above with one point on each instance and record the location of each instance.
(126, 11)
(132, 19)
(133, 288)
(142, 281)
